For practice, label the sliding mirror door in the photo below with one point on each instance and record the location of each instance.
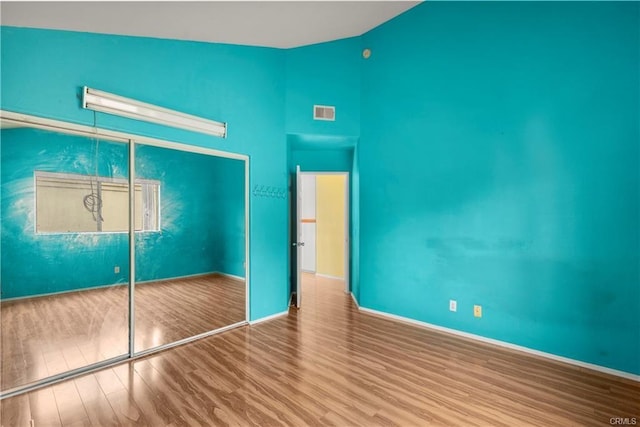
(65, 253)
(189, 244)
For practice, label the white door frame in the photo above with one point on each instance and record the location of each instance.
(347, 229)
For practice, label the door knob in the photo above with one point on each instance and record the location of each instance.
(298, 243)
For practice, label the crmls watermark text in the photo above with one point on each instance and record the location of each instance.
(619, 421)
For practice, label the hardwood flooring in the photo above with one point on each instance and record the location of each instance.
(49, 335)
(328, 364)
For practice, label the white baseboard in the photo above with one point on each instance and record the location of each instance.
(355, 301)
(267, 318)
(329, 277)
(499, 343)
(231, 276)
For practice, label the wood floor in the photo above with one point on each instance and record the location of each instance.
(329, 364)
(48, 335)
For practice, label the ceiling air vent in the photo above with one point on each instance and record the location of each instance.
(324, 112)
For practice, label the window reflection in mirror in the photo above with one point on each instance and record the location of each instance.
(89, 204)
(64, 277)
(190, 277)
(64, 285)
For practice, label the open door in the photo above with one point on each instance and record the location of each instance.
(298, 243)
(295, 233)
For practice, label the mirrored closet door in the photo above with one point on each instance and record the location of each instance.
(95, 270)
(189, 246)
(65, 253)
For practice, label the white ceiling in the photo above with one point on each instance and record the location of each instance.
(282, 24)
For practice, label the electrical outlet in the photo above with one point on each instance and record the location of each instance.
(477, 310)
(453, 305)
(116, 269)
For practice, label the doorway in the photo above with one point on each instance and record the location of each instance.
(321, 235)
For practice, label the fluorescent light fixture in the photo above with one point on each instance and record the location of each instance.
(105, 102)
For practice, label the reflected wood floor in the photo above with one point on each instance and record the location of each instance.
(48, 335)
(329, 364)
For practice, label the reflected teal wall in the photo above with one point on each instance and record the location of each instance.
(507, 173)
(229, 222)
(40, 264)
(202, 216)
(43, 72)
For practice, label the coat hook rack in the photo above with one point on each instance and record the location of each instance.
(270, 192)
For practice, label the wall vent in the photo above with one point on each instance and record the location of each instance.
(324, 112)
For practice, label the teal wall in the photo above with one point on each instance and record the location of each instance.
(506, 173)
(321, 160)
(207, 197)
(43, 72)
(320, 152)
(324, 74)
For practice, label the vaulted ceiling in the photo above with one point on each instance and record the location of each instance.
(258, 23)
